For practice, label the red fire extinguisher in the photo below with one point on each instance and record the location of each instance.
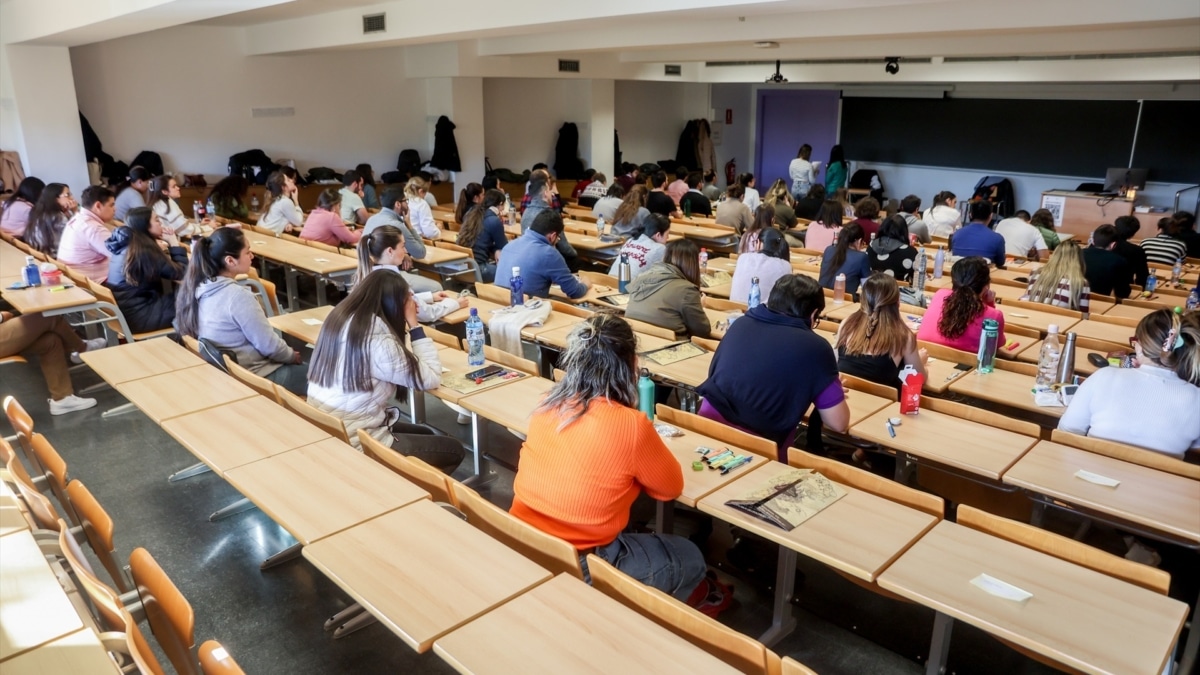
(731, 171)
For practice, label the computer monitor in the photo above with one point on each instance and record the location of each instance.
(1121, 179)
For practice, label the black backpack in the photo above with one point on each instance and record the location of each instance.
(150, 161)
(243, 163)
(393, 177)
(320, 173)
(409, 162)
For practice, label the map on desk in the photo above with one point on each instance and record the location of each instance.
(665, 356)
(789, 499)
(620, 300)
(459, 382)
(716, 278)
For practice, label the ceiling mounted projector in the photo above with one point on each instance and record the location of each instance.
(778, 77)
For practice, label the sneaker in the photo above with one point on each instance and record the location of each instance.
(70, 404)
(464, 418)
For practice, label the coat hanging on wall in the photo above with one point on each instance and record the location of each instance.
(706, 154)
(445, 148)
(685, 154)
(567, 164)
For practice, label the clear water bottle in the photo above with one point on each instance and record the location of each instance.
(755, 298)
(1193, 301)
(919, 271)
(198, 210)
(646, 394)
(512, 215)
(254, 205)
(518, 288)
(1048, 359)
(1177, 272)
(988, 341)
(839, 289)
(600, 226)
(30, 272)
(474, 339)
(1151, 284)
(211, 208)
(623, 273)
(703, 261)
(939, 261)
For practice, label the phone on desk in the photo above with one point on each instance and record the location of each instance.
(487, 371)
(963, 367)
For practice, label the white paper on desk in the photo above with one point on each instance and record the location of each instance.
(321, 259)
(1097, 478)
(1001, 589)
(312, 322)
(1047, 399)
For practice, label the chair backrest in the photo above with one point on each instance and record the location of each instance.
(98, 528)
(22, 423)
(1064, 548)
(868, 387)
(1043, 307)
(559, 374)
(1118, 320)
(215, 660)
(321, 246)
(1127, 453)
(433, 481)
(868, 482)
(705, 343)
(595, 278)
(169, 614)
(950, 354)
(970, 412)
(328, 423)
(1011, 329)
(505, 359)
(56, 473)
(572, 310)
(444, 339)
(544, 549)
(191, 343)
(791, 666)
(721, 432)
(104, 599)
(650, 329)
(1021, 367)
(39, 506)
(721, 304)
(742, 652)
(493, 293)
(451, 246)
(256, 382)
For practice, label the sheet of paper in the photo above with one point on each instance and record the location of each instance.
(1097, 478)
(1001, 589)
(321, 259)
(312, 322)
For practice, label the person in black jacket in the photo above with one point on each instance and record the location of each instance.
(696, 203)
(141, 270)
(1107, 273)
(1134, 255)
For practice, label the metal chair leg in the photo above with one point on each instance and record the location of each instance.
(119, 410)
(193, 470)
(290, 553)
(357, 623)
(235, 508)
(343, 616)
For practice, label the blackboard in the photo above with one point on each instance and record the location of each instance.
(1168, 141)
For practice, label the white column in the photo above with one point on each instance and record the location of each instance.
(600, 130)
(41, 114)
(461, 100)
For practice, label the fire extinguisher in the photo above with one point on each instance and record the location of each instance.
(731, 171)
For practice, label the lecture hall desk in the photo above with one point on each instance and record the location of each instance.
(1004, 387)
(34, 608)
(138, 360)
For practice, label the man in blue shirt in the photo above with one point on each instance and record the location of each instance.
(541, 264)
(977, 239)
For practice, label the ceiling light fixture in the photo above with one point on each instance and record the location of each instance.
(766, 44)
(892, 66)
(778, 77)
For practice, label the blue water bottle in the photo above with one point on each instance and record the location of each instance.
(988, 341)
(755, 294)
(646, 394)
(518, 288)
(474, 339)
(30, 272)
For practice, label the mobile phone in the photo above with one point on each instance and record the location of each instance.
(963, 367)
(484, 372)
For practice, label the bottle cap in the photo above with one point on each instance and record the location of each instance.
(754, 280)
(474, 312)
(516, 271)
(1052, 328)
(645, 373)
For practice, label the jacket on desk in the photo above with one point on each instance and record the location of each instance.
(150, 305)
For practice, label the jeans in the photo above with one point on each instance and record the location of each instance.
(668, 562)
(293, 377)
(420, 284)
(488, 272)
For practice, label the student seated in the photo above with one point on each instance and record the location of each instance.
(645, 248)
(710, 188)
(483, 232)
(49, 218)
(141, 274)
(764, 217)
(866, 210)
(352, 209)
(468, 198)
(809, 206)
(1022, 240)
(846, 257)
(14, 214)
(131, 192)
(780, 201)
(943, 218)
(771, 367)
(875, 343)
(382, 250)
(211, 305)
(551, 197)
(628, 218)
(891, 253)
(164, 190)
(282, 215)
(369, 197)
(325, 223)
(976, 239)
(910, 211)
(1165, 248)
(540, 262)
(694, 201)
(595, 191)
(394, 213)
(1153, 405)
(1061, 282)
(583, 183)
(823, 231)
(678, 187)
(658, 201)
(732, 212)
(229, 197)
(771, 262)
(955, 315)
(750, 196)
(1185, 231)
(1107, 273)
(362, 356)
(81, 246)
(1043, 221)
(1134, 255)
(419, 212)
(51, 340)
(606, 206)
(667, 293)
(589, 454)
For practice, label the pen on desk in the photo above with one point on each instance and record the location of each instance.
(745, 459)
(719, 455)
(731, 459)
(891, 429)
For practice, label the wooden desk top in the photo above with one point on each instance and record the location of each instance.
(700, 484)
(940, 374)
(34, 608)
(1004, 387)
(262, 429)
(555, 321)
(969, 446)
(840, 312)
(422, 571)
(1082, 366)
(46, 298)
(307, 258)
(439, 256)
(593, 295)
(688, 372)
(136, 360)
(79, 652)
(12, 519)
(1036, 319)
(722, 264)
(484, 307)
(162, 397)
(1085, 619)
(721, 236)
(1128, 311)
(557, 338)
(590, 242)
(859, 534)
(1153, 499)
(299, 324)
(566, 626)
(323, 488)
(1109, 332)
(509, 405)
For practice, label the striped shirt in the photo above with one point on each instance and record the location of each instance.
(1062, 294)
(1164, 249)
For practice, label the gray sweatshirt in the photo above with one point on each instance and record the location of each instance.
(386, 216)
(230, 316)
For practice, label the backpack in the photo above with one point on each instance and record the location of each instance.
(243, 163)
(409, 162)
(393, 177)
(320, 173)
(150, 161)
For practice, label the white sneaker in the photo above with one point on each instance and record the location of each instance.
(464, 418)
(92, 345)
(70, 404)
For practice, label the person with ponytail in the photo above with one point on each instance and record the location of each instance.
(1154, 404)
(325, 225)
(764, 217)
(164, 190)
(131, 192)
(768, 263)
(628, 219)
(211, 305)
(49, 217)
(483, 232)
(383, 249)
(468, 198)
(143, 269)
(647, 248)
(943, 218)
(875, 343)
(955, 315)
(846, 257)
(1062, 281)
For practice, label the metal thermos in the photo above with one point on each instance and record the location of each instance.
(623, 273)
(1066, 362)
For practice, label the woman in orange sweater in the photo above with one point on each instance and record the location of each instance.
(590, 452)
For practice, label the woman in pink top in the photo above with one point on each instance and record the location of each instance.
(325, 224)
(15, 210)
(82, 245)
(955, 315)
(822, 231)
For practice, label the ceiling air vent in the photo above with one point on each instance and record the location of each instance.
(673, 70)
(566, 66)
(273, 112)
(374, 23)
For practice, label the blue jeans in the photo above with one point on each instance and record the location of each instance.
(293, 377)
(668, 562)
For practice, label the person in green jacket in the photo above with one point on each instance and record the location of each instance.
(1043, 220)
(836, 170)
(229, 197)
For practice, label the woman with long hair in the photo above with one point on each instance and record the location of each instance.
(750, 196)
(891, 253)
(210, 305)
(468, 197)
(131, 192)
(14, 213)
(383, 249)
(369, 197)
(943, 217)
(846, 257)
(483, 232)
(419, 213)
(768, 263)
(667, 293)
(823, 231)
(875, 343)
(780, 199)
(589, 454)
(764, 217)
(229, 198)
(282, 215)
(1153, 405)
(363, 353)
(842, 196)
(1043, 220)
(628, 219)
(645, 249)
(803, 171)
(164, 190)
(141, 273)
(837, 170)
(48, 218)
(955, 315)
(1061, 282)
(325, 223)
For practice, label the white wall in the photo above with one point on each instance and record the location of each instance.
(737, 139)
(650, 116)
(187, 92)
(40, 96)
(522, 118)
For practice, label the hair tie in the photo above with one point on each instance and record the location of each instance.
(1174, 339)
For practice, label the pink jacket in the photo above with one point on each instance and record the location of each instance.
(82, 245)
(327, 227)
(818, 237)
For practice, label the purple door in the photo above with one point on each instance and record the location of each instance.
(787, 119)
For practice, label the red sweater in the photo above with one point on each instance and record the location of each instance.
(578, 482)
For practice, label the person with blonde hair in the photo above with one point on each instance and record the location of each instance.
(631, 215)
(1154, 405)
(419, 213)
(1062, 282)
(780, 199)
(875, 343)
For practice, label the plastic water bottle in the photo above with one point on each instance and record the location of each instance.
(1048, 359)
(474, 339)
(254, 205)
(755, 294)
(839, 289)
(938, 261)
(211, 208)
(703, 261)
(1177, 272)
(600, 226)
(198, 210)
(623, 273)
(32, 276)
(1151, 284)
(1193, 301)
(919, 271)
(988, 339)
(518, 288)
(646, 394)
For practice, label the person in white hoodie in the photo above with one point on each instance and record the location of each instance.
(943, 218)
(383, 249)
(212, 306)
(164, 190)
(363, 353)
